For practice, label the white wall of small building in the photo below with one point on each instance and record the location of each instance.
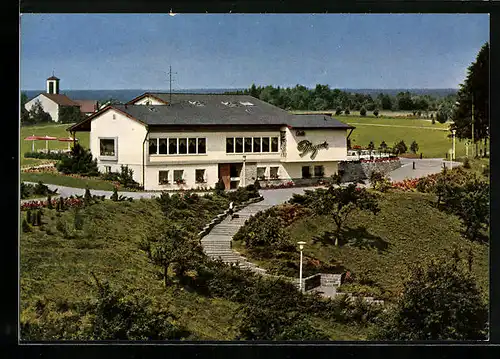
(336, 139)
(129, 136)
(189, 176)
(49, 106)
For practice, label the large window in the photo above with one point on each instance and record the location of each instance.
(192, 145)
(252, 144)
(107, 147)
(274, 144)
(239, 145)
(153, 146)
(202, 145)
(182, 146)
(200, 176)
(163, 146)
(163, 177)
(265, 144)
(172, 146)
(230, 145)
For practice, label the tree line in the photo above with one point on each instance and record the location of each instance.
(322, 97)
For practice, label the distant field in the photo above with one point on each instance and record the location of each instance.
(55, 130)
(432, 139)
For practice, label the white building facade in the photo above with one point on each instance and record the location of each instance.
(192, 144)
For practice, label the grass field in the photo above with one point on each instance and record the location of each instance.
(56, 267)
(408, 230)
(55, 130)
(56, 179)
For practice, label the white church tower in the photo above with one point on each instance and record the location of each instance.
(53, 85)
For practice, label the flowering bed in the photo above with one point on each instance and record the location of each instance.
(68, 202)
(287, 184)
(383, 159)
(407, 184)
(48, 169)
(427, 183)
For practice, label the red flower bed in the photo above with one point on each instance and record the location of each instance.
(68, 202)
(39, 170)
(287, 184)
(407, 184)
(377, 160)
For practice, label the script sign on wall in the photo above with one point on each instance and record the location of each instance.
(305, 146)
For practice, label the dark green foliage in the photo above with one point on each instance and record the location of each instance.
(243, 194)
(400, 147)
(439, 302)
(338, 111)
(78, 220)
(257, 184)
(383, 146)
(70, 114)
(38, 218)
(441, 116)
(49, 202)
(362, 112)
(466, 164)
(114, 196)
(379, 182)
(87, 197)
(25, 226)
(29, 190)
(126, 178)
(375, 113)
(338, 202)
(28, 216)
(49, 156)
(433, 121)
(38, 115)
(371, 146)
(476, 85)
(414, 147)
(80, 161)
(61, 204)
(220, 188)
(347, 111)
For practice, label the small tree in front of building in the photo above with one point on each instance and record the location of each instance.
(79, 161)
(38, 115)
(70, 114)
(414, 147)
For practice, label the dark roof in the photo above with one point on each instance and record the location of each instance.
(61, 100)
(52, 78)
(222, 110)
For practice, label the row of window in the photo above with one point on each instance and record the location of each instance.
(177, 146)
(178, 176)
(251, 144)
(261, 173)
(319, 171)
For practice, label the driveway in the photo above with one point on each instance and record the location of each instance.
(423, 167)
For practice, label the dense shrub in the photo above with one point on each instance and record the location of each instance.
(243, 194)
(439, 302)
(362, 112)
(48, 156)
(29, 190)
(379, 182)
(375, 113)
(79, 161)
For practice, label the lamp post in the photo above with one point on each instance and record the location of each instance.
(301, 247)
(453, 136)
(244, 170)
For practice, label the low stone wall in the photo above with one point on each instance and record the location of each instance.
(220, 217)
(353, 171)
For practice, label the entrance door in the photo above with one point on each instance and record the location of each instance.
(306, 172)
(224, 173)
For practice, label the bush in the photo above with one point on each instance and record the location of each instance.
(379, 182)
(362, 112)
(375, 113)
(48, 156)
(79, 161)
(400, 147)
(466, 164)
(220, 188)
(25, 226)
(439, 302)
(338, 111)
(347, 111)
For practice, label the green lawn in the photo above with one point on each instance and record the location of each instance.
(57, 179)
(409, 230)
(55, 130)
(57, 267)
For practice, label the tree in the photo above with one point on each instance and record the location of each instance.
(383, 146)
(338, 111)
(347, 111)
(172, 246)
(400, 147)
(362, 112)
(375, 113)
(404, 101)
(38, 115)
(439, 302)
(475, 88)
(339, 202)
(414, 147)
(70, 114)
(79, 161)
(254, 92)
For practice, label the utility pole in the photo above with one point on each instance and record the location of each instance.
(170, 81)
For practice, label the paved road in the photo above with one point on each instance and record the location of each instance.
(423, 167)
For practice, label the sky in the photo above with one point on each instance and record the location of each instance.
(134, 51)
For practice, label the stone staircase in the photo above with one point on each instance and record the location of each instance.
(217, 245)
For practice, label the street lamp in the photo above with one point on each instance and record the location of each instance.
(301, 247)
(453, 136)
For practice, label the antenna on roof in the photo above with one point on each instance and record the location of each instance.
(170, 81)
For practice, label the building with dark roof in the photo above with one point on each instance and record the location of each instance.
(52, 101)
(194, 140)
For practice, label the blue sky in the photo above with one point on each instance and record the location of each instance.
(134, 51)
